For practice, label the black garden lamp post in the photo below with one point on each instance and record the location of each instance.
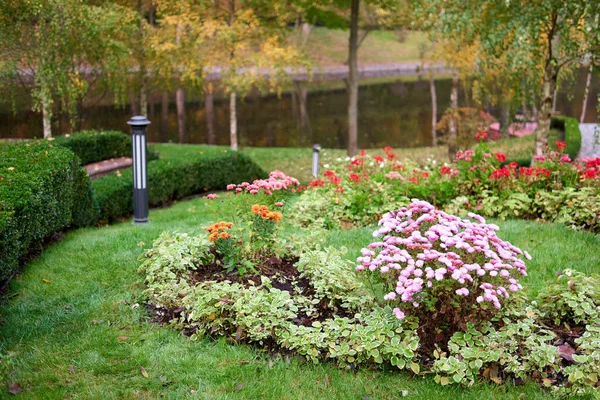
(139, 160)
(315, 160)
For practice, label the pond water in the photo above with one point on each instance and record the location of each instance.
(395, 113)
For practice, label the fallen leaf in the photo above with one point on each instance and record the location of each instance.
(46, 280)
(122, 338)
(11, 168)
(241, 386)
(140, 244)
(69, 307)
(143, 370)
(118, 173)
(547, 382)
(326, 380)
(566, 351)
(71, 368)
(14, 388)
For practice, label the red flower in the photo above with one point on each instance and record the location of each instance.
(425, 174)
(391, 156)
(316, 182)
(481, 135)
(357, 161)
(354, 177)
(363, 153)
(445, 170)
(387, 149)
(335, 180)
(512, 165)
(329, 173)
(525, 171)
(378, 159)
(339, 189)
(414, 180)
(561, 145)
(589, 174)
(500, 173)
(500, 157)
(398, 167)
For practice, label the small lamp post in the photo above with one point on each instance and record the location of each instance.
(315, 160)
(140, 187)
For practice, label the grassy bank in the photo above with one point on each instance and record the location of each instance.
(74, 325)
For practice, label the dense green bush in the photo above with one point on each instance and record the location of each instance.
(93, 146)
(171, 179)
(42, 190)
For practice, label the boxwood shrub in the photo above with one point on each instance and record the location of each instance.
(174, 178)
(43, 189)
(92, 146)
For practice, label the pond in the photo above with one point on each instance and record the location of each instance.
(396, 112)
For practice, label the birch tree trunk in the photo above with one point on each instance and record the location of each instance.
(554, 99)
(353, 81)
(164, 116)
(180, 102)
(233, 137)
(545, 112)
(586, 94)
(453, 128)
(47, 118)
(433, 109)
(209, 107)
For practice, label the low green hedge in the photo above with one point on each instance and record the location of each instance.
(43, 189)
(93, 146)
(171, 179)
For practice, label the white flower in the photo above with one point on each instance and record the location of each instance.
(325, 165)
(371, 164)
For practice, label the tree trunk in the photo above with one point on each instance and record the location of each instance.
(433, 109)
(545, 114)
(233, 137)
(353, 81)
(180, 102)
(453, 128)
(586, 93)
(505, 118)
(144, 97)
(209, 107)
(554, 98)
(302, 95)
(47, 118)
(164, 116)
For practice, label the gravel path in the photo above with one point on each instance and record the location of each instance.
(590, 141)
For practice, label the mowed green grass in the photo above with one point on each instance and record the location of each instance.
(75, 326)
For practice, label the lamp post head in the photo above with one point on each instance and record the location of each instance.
(316, 148)
(138, 120)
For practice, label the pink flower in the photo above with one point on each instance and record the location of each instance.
(279, 204)
(212, 196)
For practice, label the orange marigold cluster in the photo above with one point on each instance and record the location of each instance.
(265, 213)
(218, 231)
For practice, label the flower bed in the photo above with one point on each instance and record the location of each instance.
(437, 298)
(360, 190)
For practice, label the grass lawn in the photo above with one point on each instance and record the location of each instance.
(73, 328)
(330, 47)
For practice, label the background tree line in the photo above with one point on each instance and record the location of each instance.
(514, 53)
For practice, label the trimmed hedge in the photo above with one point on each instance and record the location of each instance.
(43, 190)
(93, 146)
(172, 179)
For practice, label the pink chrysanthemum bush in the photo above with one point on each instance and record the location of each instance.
(443, 270)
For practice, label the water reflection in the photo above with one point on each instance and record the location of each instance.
(396, 114)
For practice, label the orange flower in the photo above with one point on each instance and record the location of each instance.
(255, 209)
(224, 235)
(276, 216)
(213, 236)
